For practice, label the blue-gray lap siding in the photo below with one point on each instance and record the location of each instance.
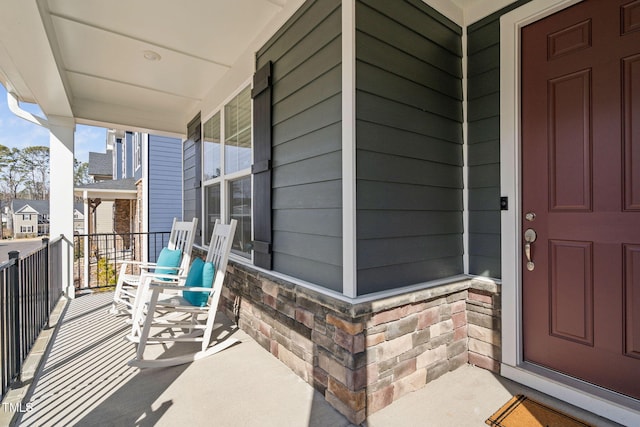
(409, 145)
(117, 166)
(306, 154)
(127, 153)
(483, 152)
(165, 183)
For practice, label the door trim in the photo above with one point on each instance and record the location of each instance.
(602, 402)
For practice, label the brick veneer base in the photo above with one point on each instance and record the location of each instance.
(364, 356)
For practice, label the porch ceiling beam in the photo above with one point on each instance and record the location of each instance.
(133, 85)
(107, 195)
(95, 113)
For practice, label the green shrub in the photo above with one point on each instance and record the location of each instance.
(78, 251)
(106, 273)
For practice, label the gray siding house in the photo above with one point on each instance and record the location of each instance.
(376, 259)
(164, 185)
(144, 189)
(29, 218)
(418, 184)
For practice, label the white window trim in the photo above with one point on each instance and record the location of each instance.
(125, 146)
(349, 235)
(137, 150)
(602, 402)
(225, 179)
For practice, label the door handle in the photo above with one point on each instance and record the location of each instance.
(530, 236)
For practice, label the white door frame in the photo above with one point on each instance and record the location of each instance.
(600, 401)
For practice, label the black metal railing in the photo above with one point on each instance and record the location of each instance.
(57, 276)
(97, 257)
(27, 297)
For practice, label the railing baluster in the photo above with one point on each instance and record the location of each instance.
(47, 281)
(113, 248)
(15, 332)
(4, 333)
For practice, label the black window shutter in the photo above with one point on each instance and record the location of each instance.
(194, 137)
(261, 168)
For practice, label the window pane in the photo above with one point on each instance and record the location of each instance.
(212, 213)
(240, 209)
(237, 130)
(211, 148)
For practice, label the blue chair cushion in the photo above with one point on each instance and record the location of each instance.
(168, 258)
(194, 278)
(204, 278)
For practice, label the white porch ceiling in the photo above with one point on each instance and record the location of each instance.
(86, 58)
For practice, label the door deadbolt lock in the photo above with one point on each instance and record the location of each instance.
(530, 216)
(530, 236)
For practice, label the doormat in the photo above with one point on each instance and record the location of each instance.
(521, 411)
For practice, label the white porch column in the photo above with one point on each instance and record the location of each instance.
(85, 241)
(61, 146)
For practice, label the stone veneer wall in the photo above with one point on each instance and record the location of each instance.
(364, 356)
(122, 220)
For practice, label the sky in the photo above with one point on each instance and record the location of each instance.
(19, 133)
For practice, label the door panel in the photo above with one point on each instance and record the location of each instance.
(631, 109)
(632, 297)
(569, 141)
(571, 286)
(581, 176)
(630, 17)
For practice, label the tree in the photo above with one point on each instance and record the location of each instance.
(11, 172)
(80, 172)
(35, 163)
(4, 154)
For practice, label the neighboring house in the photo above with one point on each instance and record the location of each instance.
(30, 218)
(5, 222)
(137, 188)
(78, 218)
(100, 166)
(418, 184)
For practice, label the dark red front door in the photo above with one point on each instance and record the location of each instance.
(581, 189)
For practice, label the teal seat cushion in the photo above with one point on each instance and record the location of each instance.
(204, 279)
(168, 258)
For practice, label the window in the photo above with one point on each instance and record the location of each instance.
(26, 228)
(123, 160)
(26, 217)
(226, 169)
(137, 150)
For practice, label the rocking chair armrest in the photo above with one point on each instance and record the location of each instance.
(158, 286)
(158, 278)
(140, 263)
(151, 273)
(149, 265)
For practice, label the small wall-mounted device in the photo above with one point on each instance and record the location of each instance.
(504, 203)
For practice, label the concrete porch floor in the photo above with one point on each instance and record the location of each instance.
(84, 380)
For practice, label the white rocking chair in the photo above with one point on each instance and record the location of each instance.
(181, 238)
(174, 314)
